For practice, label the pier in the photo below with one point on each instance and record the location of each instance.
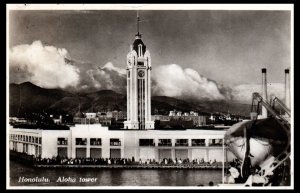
(137, 166)
(116, 164)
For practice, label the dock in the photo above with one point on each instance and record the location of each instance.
(136, 166)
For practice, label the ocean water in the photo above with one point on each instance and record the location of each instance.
(111, 177)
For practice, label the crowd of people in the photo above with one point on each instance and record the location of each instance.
(114, 161)
(121, 161)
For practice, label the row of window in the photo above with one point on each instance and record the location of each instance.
(26, 138)
(25, 148)
(195, 142)
(143, 142)
(93, 141)
(117, 142)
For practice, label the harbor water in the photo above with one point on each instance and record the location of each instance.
(23, 175)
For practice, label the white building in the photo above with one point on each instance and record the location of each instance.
(96, 141)
(172, 113)
(90, 115)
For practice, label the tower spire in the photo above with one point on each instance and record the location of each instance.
(138, 35)
(137, 22)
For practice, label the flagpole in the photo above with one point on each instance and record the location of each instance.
(223, 164)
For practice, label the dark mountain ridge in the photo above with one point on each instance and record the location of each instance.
(27, 97)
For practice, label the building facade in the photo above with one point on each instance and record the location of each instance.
(96, 141)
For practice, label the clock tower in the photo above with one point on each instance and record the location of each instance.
(138, 85)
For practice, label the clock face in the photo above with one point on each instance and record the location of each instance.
(141, 73)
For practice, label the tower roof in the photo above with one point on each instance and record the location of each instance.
(136, 43)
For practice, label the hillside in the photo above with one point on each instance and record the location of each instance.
(104, 100)
(27, 97)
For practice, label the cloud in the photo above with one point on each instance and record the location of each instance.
(109, 67)
(51, 67)
(42, 65)
(172, 80)
(108, 77)
(168, 80)
(243, 93)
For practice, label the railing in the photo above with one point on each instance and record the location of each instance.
(282, 105)
(62, 142)
(80, 142)
(115, 143)
(181, 144)
(98, 143)
(279, 118)
(164, 144)
(147, 144)
(198, 144)
(215, 145)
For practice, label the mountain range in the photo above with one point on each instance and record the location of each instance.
(27, 97)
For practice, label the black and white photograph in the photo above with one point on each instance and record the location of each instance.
(150, 96)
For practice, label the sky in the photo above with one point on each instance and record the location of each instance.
(215, 53)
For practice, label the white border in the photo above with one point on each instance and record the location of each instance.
(151, 6)
(292, 99)
(288, 7)
(7, 99)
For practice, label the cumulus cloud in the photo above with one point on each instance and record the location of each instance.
(243, 93)
(42, 65)
(167, 80)
(107, 77)
(172, 80)
(51, 67)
